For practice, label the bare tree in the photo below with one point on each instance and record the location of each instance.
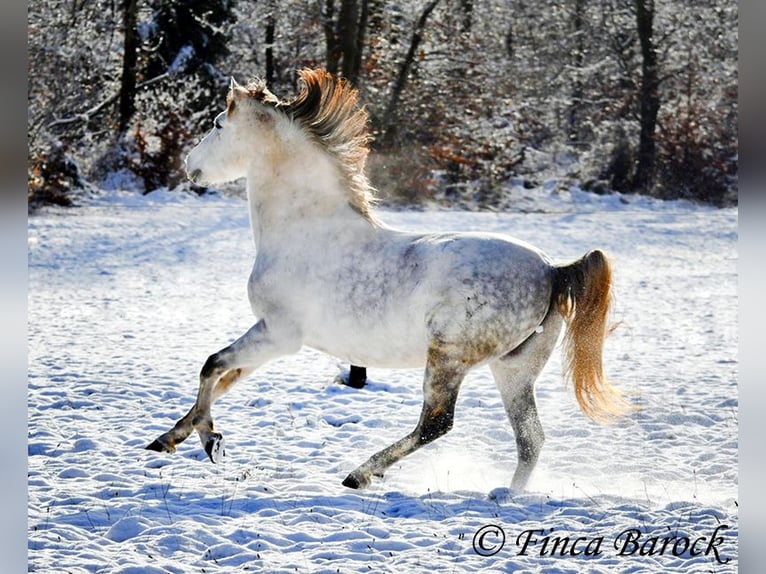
(613, 93)
(649, 97)
(579, 32)
(404, 71)
(127, 105)
(345, 37)
(271, 24)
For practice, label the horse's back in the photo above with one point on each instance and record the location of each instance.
(476, 256)
(491, 292)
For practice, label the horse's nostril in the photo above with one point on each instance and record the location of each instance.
(194, 176)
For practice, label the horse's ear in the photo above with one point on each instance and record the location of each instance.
(236, 90)
(236, 93)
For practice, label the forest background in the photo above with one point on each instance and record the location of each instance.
(466, 99)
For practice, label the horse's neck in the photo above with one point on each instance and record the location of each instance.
(306, 203)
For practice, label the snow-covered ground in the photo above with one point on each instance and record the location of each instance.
(128, 295)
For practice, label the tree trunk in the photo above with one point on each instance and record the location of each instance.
(345, 39)
(127, 105)
(649, 97)
(404, 72)
(578, 60)
(348, 21)
(467, 6)
(331, 41)
(361, 31)
(271, 24)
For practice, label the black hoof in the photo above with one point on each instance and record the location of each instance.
(357, 377)
(157, 446)
(214, 447)
(351, 482)
(356, 481)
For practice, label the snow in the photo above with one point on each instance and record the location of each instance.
(129, 294)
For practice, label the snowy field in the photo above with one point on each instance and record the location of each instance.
(128, 295)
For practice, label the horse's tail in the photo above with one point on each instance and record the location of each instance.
(582, 293)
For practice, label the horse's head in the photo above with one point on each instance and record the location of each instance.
(322, 127)
(245, 126)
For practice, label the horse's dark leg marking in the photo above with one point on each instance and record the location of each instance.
(529, 435)
(212, 386)
(440, 390)
(195, 418)
(219, 373)
(357, 377)
(515, 375)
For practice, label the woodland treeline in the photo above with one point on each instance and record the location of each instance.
(464, 96)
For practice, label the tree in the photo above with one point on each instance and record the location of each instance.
(188, 37)
(649, 97)
(73, 81)
(271, 27)
(180, 46)
(345, 37)
(127, 106)
(579, 33)
(462, 95)
(404, 71)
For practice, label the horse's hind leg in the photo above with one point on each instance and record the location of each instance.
(515, 375)
(357, 377)
(440, 390)
(218, 375)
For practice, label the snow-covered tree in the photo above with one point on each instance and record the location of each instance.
(463, 96)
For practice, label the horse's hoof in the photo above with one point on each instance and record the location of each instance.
(158, 446)
(214, 447)
(356, 481)
(355, 377)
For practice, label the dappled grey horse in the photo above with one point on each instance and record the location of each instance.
(326, 265)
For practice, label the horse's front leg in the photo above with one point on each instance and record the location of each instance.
(218, 375)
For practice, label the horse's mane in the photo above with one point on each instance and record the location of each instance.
(327, 108)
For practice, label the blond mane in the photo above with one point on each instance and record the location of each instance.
(327, 108)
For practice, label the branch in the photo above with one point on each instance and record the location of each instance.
(404, 70)
(87, 114)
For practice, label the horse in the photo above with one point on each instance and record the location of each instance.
(325, 265)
